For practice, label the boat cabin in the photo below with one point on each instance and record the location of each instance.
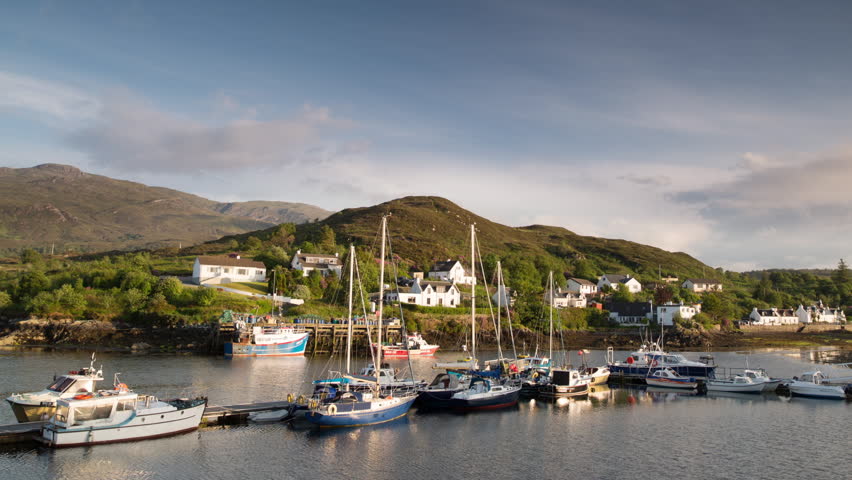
(564, 377)
(97, 409)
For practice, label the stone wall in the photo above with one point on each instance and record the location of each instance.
(813, 327)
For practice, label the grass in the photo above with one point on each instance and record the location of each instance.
(258, 288)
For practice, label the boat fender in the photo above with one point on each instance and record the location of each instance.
(535, 375)
(290, 397)
(122, 388)
(630, 360)
(83, 396)
(301, 400)
(312, 404)
(332, 409)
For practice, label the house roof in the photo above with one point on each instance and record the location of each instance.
(315, 255)
(629, 309)
(229, 262)
(617, 278)
(582, 281)
(703, 280)
(435, 283)
(444, 266)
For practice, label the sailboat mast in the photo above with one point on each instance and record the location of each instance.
(473, 291)
(499, 304)
(381, 300)
(349, 328)
(550, 279)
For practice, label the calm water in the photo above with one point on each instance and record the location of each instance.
(616, 433)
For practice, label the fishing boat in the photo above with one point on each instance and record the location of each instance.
(564, 383)
(811, 384)
(416, 346)
(595, 375)
(668, 378)
(484, 394)
(640, 363)
(348, 408)
(269, 341)
(750, 381)
(35, 406)
(119, 415)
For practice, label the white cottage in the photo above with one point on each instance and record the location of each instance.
(666, 313)
(820, 314)
(773, 316)
(451, 271)
(308, 262)
(699, 285)
(581, 285)
(213, 270)
(566, 299)
(427, 293)
(615, 281)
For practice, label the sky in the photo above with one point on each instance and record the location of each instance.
(722, 129)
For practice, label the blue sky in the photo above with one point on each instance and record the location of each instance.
(716, 128)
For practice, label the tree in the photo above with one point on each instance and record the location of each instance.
(171, 288)
(303, 292)
(253, 244)
(623, 294)
(5, 300)
(326, 241)
(841, 274)
(664, 294)
(32, 283)
(32, 257)
(284, 235)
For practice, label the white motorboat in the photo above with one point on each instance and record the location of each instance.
(269, 416)
(119, 415)
(811, 384)
(738, 383)
(35, 406)
(667, 377)
(484, 394)
(564, 383)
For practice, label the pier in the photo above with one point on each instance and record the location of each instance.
(326, 337)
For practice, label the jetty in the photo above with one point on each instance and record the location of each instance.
(326, 337)
(22, 433)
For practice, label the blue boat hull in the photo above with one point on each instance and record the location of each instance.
(500, 401)
(362, 418)
(288, 349)
(642, 372)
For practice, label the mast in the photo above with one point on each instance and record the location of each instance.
(473, 291)
(349, 328)
(499, 304)
(550, 279)
(378, 366)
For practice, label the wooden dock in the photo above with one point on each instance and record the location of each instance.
(325, 337)
(22, 433)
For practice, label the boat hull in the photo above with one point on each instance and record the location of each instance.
(402, 353)
(436, 398)
(723, 386)
(32, 413)
(817, 391)
(291, 348)
(139, 427)
(630, 371)
(361, 418)
(563, 391)
(490, 402)
(672, 383)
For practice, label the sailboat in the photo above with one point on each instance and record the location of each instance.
(351, 408)
(482, 393)
(562, 382)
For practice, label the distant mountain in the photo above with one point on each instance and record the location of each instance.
(78, 211)
(429, 229)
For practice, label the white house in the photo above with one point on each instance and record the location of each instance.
(616, 281)
(226, 269)
(581, 285)
(820, 314)
(451, 271)
(773, 316)
(566, 299)
(503, 296)
(699, 285)
(667, 312)
(308, 262)
(427, 293)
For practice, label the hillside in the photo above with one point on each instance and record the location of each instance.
(427, 229)
(77, 211)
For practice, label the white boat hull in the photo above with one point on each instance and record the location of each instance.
(725, 386)
(808, 389)
(138, 427)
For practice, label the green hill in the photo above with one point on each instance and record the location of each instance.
(77, 211)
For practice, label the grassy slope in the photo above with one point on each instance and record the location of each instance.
(60, 204)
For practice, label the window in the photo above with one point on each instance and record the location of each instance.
(92, 412)
(124, 405)
(61, 385)
(428, 301)
(227, 270)
(242, 271)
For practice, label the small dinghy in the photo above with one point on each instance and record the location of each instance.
(269, 416)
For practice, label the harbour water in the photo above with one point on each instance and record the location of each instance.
(618, 432)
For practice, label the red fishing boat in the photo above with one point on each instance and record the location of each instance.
(417, 346)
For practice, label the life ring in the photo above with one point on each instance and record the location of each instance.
(332, 409)
(122, 387)
(83, 396)
(630, 360)
(654, 363)
(290, 398)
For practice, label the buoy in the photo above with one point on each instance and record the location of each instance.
(630, 360)
(82, 396)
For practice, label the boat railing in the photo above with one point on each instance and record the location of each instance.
(725, 373)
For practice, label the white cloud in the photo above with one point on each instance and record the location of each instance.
(54, 100)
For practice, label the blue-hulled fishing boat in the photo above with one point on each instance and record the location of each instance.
(270, 341)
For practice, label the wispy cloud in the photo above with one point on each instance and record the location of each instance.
(54, 100)
(132, 134)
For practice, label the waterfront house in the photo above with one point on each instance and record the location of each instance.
(630, 313)
(667, 312)
(213, 270)
(699, 285)
(566, 299)
(581, 285)
(451, 271)
(308, 262)
(615, 281)
(773, 316)
(429, 293)
(820, 314)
